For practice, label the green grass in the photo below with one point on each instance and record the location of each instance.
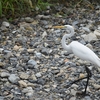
(13, 8)
(0, 8)
(42, 5)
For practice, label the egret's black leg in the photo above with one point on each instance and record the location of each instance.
(89, 74)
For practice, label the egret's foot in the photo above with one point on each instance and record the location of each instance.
(81, 94)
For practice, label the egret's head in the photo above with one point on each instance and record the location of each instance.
(69, 27)
(65, 26)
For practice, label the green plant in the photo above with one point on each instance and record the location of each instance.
(13, 7)
(42, 5)
(0, 8)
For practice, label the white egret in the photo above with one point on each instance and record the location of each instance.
(81, 51)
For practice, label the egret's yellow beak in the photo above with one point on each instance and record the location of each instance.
(58, 26)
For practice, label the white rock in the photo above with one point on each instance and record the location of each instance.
(86, 29)
(1, 49)
(38, 74)
(96, 86)
(46, 44)
(6, 24)
(16, 47)
(74, 86)
(47, 90)
(30, 50)
(14, 31)
(4, 74)
(73, 92)
(89, 37)
(44, 34)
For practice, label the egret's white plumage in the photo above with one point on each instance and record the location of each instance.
(79, 49)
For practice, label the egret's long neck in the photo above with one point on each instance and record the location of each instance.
(66, 36)
(63, 42)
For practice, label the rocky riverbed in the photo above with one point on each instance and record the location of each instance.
(33, 64)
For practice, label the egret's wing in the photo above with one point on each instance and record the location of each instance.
(84, 52)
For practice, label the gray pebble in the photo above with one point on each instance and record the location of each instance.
(13, 78)
(55, 71)
(44, 51)
(32, 62)
(28, 19)
(38, 54)
(87, 98)
(6, 51)
(28, 91)
(41, 81)
(2, 98)
(13, 59)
